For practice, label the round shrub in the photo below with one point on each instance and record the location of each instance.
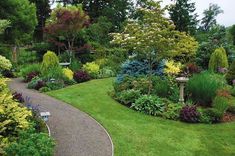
(218, 60)
(230, 76)
(68, 73)
(189, 114)
(50, 61)
(5, 64)
(203, 87)
(81, 76)
(149, 104)
(92, 68)
(127, 97)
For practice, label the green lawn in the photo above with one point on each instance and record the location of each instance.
(136, 134)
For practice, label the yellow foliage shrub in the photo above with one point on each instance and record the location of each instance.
(68, 73)
(92, 68)
(172, 68)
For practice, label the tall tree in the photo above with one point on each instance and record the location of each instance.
(116, 11)
(210, 14)
(182, 13)
(43, 12)
(232, 33)
(64, 26)
(3, 25)
(22, 16)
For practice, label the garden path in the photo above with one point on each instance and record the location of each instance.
(75, 132)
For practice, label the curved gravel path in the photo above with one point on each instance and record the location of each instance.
(76, 133)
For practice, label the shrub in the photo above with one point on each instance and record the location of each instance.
(191, 68)
(44, 89)
(5, 64)
(231, 109)
(68, 73)
(75, 65)
(203, 87)
(54, 73)
(160, 87)
(224, 92)
(8, 73)
(92, 68)
(30, 71)
(218, 60)
(210, 115)
(141, 84)
(127, 97)
(149, 104)
(221, 104)
(134, 68)
(189, 114)
(172, 111)
(106, 72)
(55, 85)
(172, 68)
(81, 76)
(230, 76)
(18, 97)
(69, 82)
(36, 83)
(31, 143)
(50, 61)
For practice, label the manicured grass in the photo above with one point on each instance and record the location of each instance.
(136, 134)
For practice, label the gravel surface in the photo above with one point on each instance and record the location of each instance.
(75, 132)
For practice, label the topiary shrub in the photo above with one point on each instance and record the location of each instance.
(189, 114)
(81, 76)
(203, 87)
(218, 60)
(230, 76)
(50, 61)
(149, 104)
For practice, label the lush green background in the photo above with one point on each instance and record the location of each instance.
(134, 133)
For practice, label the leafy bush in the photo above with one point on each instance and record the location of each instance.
(30, 71)
(31, 143)
(92, 68)
(172, 68)
(18, 97)
(36, 83)
(231, 109)
(81, 76)
(230, 76)
(221, 104)
(160, 87)
(75, 65)
(54, 73)
(218, 60)
(210, 115)
(55, 85)
(68, 73)
(5, 64)
(172, 111)
(191, 68)
(203, 87)
(50, 61)
(44, 89)
(189, 114)
(149, 104)
(106, 72)
(27, 57)
(127, 97)
(69, 82)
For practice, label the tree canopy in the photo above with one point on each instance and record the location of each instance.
(22, 16)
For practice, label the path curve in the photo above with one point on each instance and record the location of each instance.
(75, 132)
